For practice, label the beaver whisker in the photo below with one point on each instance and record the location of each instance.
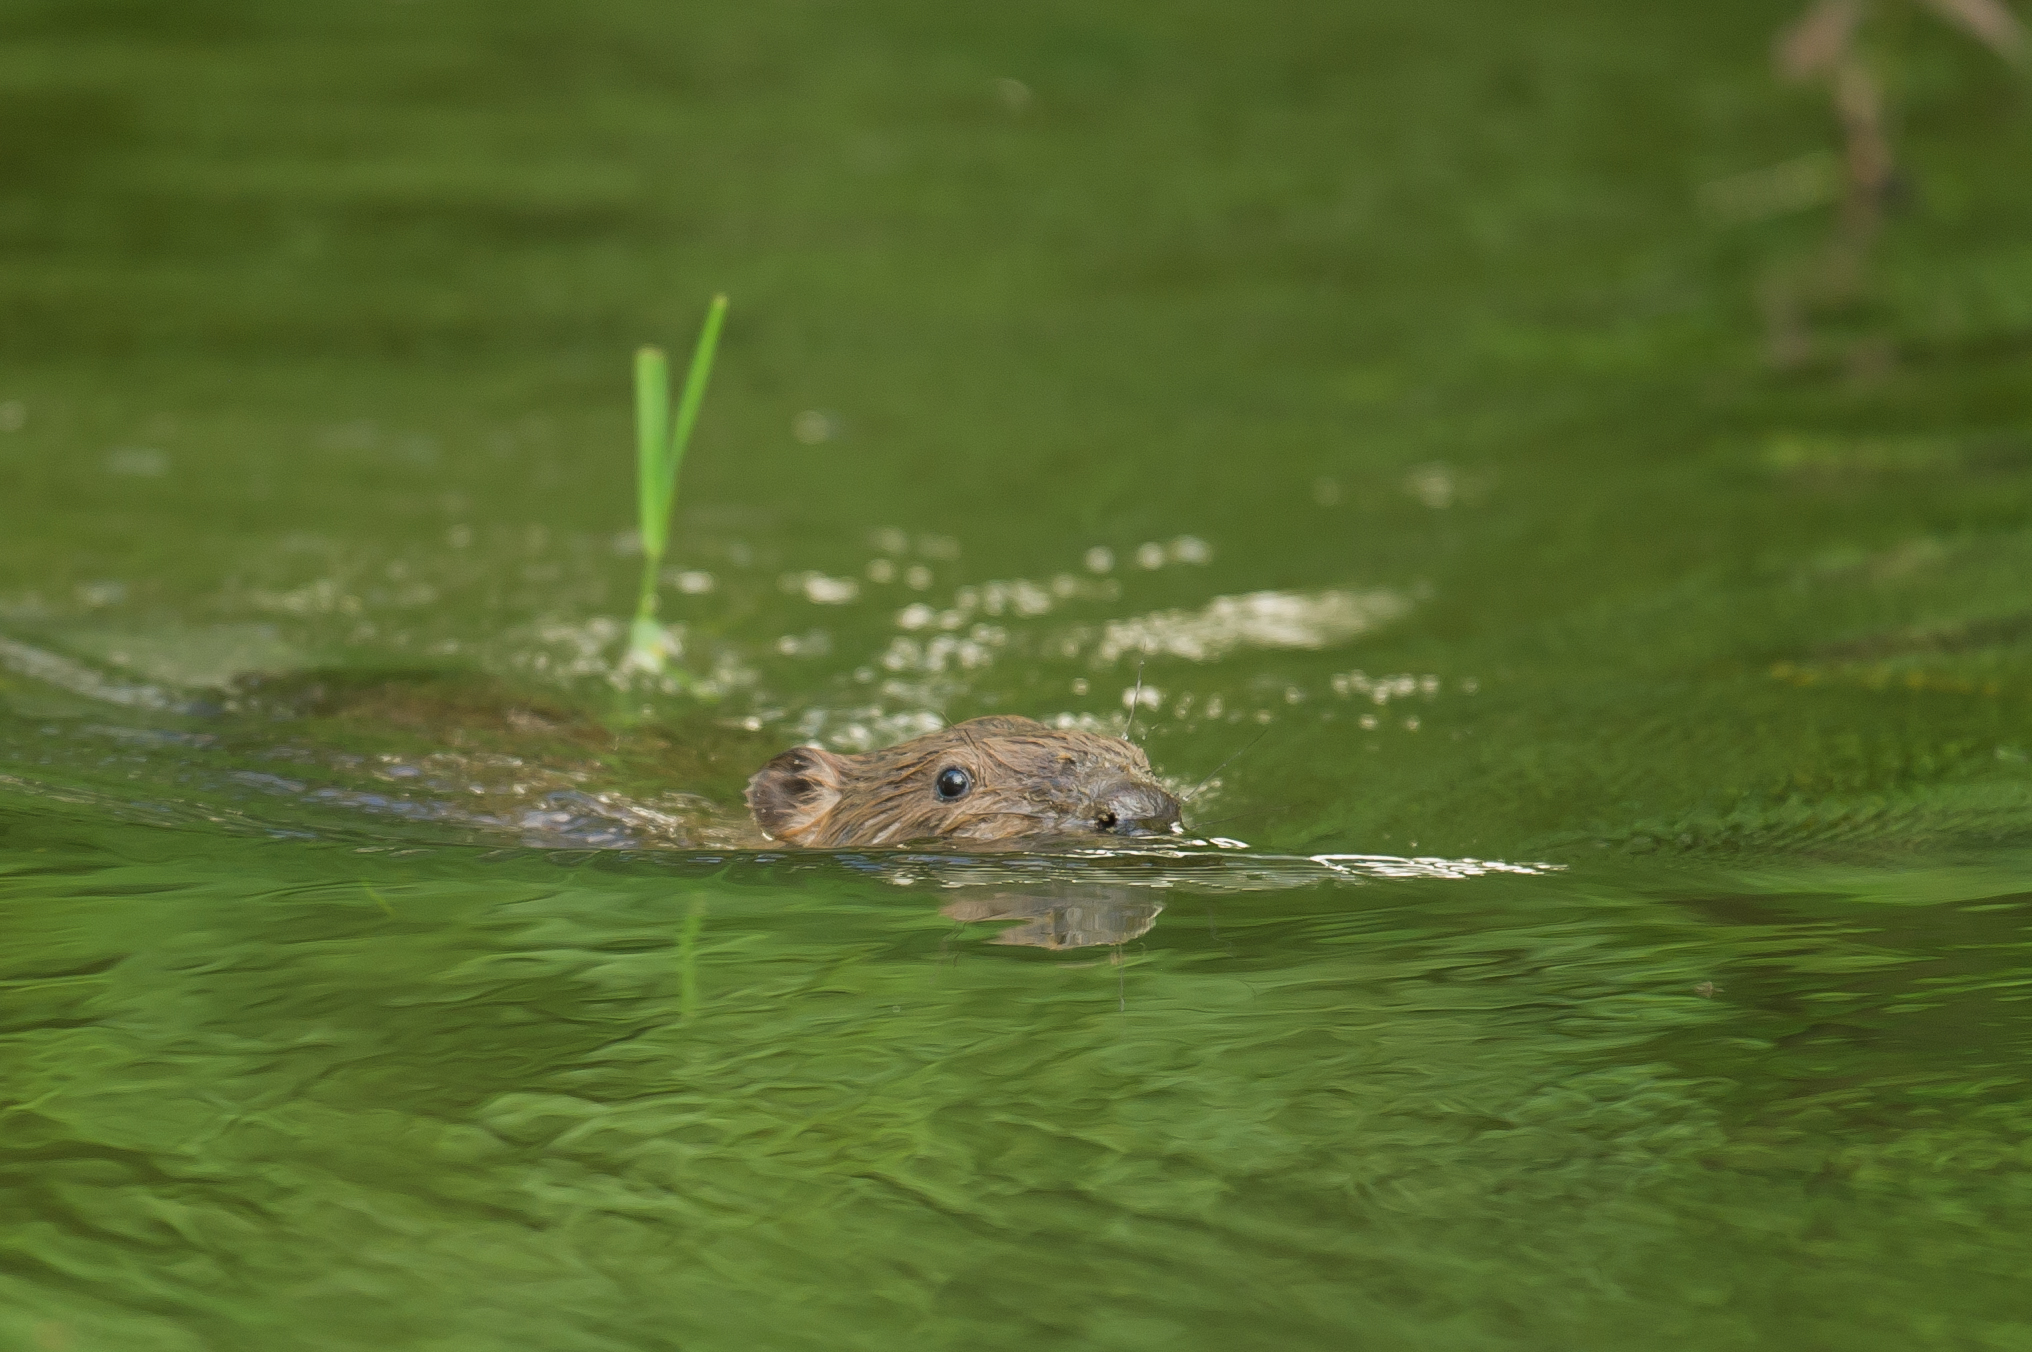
(1135, 703)
(1194, 791)
(1238, 816)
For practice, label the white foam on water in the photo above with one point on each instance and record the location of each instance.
(1425, 866)
(1265, 619)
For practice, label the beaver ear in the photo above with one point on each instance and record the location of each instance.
(791, 793)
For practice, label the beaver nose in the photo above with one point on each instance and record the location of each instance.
(1135, 809)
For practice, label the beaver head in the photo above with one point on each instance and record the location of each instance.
(988, 779)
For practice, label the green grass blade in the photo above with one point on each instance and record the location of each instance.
(652, 446)
(694, 394)
(659, 449)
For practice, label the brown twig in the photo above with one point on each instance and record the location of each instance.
(1821, 45)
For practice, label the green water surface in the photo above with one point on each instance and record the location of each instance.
(1615, 933)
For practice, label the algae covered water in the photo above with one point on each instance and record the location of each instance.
(1603, 919)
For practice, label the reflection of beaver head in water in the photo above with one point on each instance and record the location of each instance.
(988, 779)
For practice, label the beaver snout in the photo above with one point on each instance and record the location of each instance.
(1131, 808)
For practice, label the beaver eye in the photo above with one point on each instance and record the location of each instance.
(953, 783)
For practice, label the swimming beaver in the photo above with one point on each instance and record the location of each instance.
(988, 779)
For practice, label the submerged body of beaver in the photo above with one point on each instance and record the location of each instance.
(986, 780)
(512, 760)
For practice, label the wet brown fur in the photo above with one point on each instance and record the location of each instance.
(1028, 780)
